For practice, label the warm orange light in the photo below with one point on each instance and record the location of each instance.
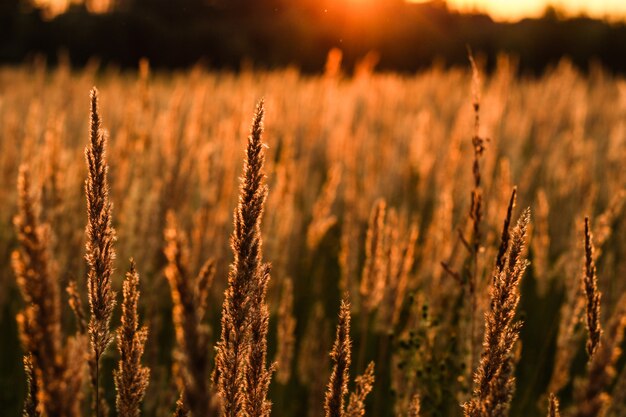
(52, 7)
(55, 7)
(522, 8)
(360, 3)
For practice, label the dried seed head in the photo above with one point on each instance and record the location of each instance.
(341, 356)
(593, 295)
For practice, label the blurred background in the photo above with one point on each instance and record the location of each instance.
(402, 35)
(367, 101)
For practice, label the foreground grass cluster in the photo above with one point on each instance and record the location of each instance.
(465, 236)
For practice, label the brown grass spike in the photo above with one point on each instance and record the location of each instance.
(414, 406)
(131, 378)
(591, 395)
(364, 385)
(493, 380)
(192, 334)
(39, 324)
(100, 253)
(30, 402)
(247, 272)
(593, 295)
(506, 234)
(553, 407)
(258, 375)
(340, 355)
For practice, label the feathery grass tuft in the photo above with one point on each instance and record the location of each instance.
(591, 395)
(100, 253)
(30, 402)
(493, 381)
(258, 375)
(131, 378)
(373, 276)
(189, 297)
(341, 357)
(506, 233)
(57, 381)
(364, 385)
(76, 305)
(414, 406)
(553, 407)
(593, 295)
(244, 297)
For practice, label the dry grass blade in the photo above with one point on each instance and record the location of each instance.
(192, 335)
(131, 378)
(341, 357)
(30, 402)
(476, 209)
(569, 336)
(364, 385)
(82, 325)
(505, 237)
(204, 281)
(181, 410)
(591, 394)
(76, 305)
(553, 407)
(285, 333)
(100, 253)
(373, 277)
(593, 295)
(493, 380)
(323, 219)
(40, 323)
(258, 375)
(402, 280)
(414, 406)
(247, 276)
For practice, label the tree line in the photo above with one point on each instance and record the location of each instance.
(274, 33)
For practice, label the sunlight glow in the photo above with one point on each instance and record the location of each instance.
(498, 9)
(510, 10)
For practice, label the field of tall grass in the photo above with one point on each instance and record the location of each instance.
(450, 243)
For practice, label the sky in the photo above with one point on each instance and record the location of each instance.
(498, 9)
(515, 9)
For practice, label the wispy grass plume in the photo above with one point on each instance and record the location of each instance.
(131, 378)
(30, 402)
(414, 406)
(364, 385)
(373, 276)
(591, 394)
(593, 295)
(189, 296)
(100, 253)
(553, 407)
(258, 374)
(341, 357)
(245, 294)
(493, 381)
(56, 378)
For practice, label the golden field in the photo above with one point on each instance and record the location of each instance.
(373, 198)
